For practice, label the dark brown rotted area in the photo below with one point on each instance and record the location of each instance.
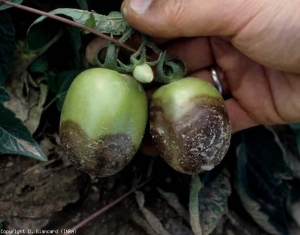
(98, 158)
(198, 140)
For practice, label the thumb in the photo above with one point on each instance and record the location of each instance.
(186, 18)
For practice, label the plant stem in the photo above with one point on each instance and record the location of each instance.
(67, 21)
(119, 199)
(195, 187)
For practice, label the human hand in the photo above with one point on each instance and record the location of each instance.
(255, 44)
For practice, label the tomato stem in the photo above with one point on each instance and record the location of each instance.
(176, 68)
(67, 21)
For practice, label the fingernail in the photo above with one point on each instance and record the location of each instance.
(140, 6)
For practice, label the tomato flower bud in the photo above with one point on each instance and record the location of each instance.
(143, 73)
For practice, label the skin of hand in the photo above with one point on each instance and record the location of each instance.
(256, 45)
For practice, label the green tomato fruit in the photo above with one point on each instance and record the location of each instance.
(143, 73)
(103, 121)
(190, 125)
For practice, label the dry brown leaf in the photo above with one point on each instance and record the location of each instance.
(150, 217)
(26, 96)
(26, 100)
(173, 201)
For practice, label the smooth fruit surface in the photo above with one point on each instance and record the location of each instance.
(190, 125)
(103, 121)
(143, 73)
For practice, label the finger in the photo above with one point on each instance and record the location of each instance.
(170, 18)
(195, 52)
(205, 74)
(239, 118)
(248, 82)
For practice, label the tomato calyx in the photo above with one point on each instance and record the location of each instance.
(167, 69)
(170, 69)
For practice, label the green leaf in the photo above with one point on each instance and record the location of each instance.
(209, 203)
(40, 65)
(42, 36)
(154, 222)
(4, 7)
(44, 31)
(15, 137)
(4, 96)
(262, 179)
(7, 45)
(60, 83)
(213, 202)
(106, 24)
(91, 22)
(287, 141)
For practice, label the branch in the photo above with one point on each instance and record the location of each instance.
(102, 210)
(67, 21)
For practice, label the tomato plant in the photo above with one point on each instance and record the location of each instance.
(81, 92)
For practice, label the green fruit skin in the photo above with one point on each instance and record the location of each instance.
(190, 125)
(143, 73)
(103, 121)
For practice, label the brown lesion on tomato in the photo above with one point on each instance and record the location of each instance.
(99, 158)
(198, 140)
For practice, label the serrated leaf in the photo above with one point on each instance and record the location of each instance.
(4, 7)
(150, 217)
(209, 203)
(60, 83)
(45, 31)
(7, 45)
(90, 22)
(15, 137)
(35, 111)
(213, 201)
(254, 209)
(27, 106)
(173, 201)
(286, 143)
(4, 96)
(115, 25)
(262, 179)
(41, 37)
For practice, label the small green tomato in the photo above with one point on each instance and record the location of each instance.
(190, 125)
(143, 73)
(103, 121)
